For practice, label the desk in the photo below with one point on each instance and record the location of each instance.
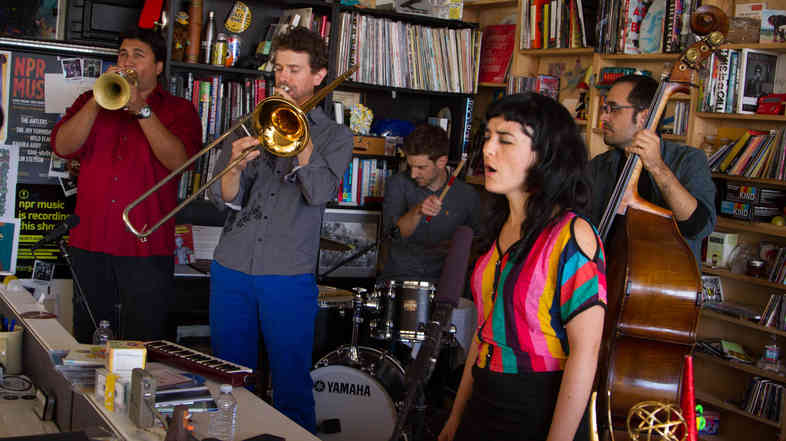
(77, 409)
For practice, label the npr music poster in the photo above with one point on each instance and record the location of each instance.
(5, 63)
(37, 92)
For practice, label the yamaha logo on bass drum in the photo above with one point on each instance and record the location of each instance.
(335, 387)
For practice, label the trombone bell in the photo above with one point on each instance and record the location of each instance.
(112, 90)
(282, 126)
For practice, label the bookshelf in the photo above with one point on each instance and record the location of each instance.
(720, 385)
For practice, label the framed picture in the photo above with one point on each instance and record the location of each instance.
(711, 290)
(357, 230)
(44, 19)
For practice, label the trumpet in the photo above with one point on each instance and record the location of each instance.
(282, 130)
(112, 90)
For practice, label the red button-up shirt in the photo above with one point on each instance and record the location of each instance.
(117, 165)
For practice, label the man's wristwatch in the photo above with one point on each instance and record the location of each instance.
(144, 112)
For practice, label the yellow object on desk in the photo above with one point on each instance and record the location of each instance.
(109, 392)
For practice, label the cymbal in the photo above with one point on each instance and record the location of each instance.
(326, 291)
(332, 245)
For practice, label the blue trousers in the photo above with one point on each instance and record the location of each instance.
(283, 308)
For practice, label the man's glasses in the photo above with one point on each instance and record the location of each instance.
(613, 108)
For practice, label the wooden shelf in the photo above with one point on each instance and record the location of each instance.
(709, 399)
(752, 227)
(489, 3)
(640, 57)
(741, 322)
(494, 85)
(751, 369)
(748, 279)
(778, 47)
(674, 137)
(741, 116)
(557, 52)
(389, 89)
(770, 182)
(212, 68)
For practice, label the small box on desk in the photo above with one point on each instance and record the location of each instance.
(122, 356)
(369, 145)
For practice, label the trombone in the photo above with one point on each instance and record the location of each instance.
(281, 127)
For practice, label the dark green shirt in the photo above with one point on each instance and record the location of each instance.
(421, 255)
(690, 167)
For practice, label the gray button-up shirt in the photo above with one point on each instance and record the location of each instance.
(421, 255)
(275, 219)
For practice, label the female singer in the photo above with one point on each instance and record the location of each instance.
(540, 287)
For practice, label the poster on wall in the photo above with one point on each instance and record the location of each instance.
(40, 209)
(5, 76)
(39, 89)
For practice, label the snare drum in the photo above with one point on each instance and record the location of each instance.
(359, 399)
(404, 307)
(333, 324)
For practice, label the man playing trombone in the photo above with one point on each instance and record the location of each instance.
(262, 277)
(122, 153)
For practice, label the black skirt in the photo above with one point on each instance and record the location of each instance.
(512, 407)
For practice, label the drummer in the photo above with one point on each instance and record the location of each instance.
(418, 246)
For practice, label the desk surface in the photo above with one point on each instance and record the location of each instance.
(255, 416)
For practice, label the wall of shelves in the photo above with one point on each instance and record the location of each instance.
(720, 384)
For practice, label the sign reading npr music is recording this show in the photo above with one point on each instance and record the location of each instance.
(41, 208)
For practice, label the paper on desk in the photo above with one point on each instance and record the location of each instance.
(166, 377)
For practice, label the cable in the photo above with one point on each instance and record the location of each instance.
(15, 383)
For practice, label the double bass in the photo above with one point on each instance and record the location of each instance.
(653, 280)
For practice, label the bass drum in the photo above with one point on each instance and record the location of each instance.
(357, 402)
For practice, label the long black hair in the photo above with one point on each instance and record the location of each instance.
(556, 182)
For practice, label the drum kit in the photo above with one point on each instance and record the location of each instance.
(358, 389)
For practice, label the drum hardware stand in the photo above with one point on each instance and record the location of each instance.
(357, 319)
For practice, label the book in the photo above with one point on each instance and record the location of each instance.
(719, 248)
(711, 289)
(773, 26)
(86, 356)
(173, 397)
(184, 245)
(734, 351)
(496, 52)
(757, 78)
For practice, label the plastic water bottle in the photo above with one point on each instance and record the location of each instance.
(224, 421)
(103, 333)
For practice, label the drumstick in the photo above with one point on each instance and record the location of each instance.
(451, 180)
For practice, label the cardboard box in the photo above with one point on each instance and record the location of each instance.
(719, 248)
(369, 145)
(737, 210)
(742, 193)
(122, 356)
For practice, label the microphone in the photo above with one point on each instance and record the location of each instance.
(59, 231)
(451, 284)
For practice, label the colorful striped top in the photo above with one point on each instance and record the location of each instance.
(523, 329)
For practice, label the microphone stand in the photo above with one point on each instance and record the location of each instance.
(350, 258)
(64, 250)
